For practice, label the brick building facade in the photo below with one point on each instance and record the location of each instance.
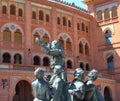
(90, 39)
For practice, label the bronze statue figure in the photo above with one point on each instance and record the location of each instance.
(57, 54)
(92, 92)
(57, 88)
(77, 87)
(40, 87)
(57, 84)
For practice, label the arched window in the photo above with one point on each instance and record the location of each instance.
(47, 18)
(36, 35)
(4, 10)
(68, 45)
(110, 62)
(69, 64)
(108, 36)
(18, 36)
(82, 65)
(20, 12)
(7, 35)
(83, 27)
(6, 58)
(107, 94)
(64, 21)
(58, 20)
(45, 38)
(33, 15)
(17, 59)
(106, 14)
(86, 49)
(41, 15)
(87, 67)
(114, 12)
(80, 47)
(78, 26)
(62, 42)
(46, 62)
(36, 60)
(12, 10)
(99, 16)
(69, 23)
(86, 29)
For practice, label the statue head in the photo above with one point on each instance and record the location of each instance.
(56, 44)
(57, 69)
(79, 74)
(93, 74)
(39, 73)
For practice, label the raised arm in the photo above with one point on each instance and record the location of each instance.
(45, 46)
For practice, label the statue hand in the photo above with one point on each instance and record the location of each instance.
(38, 40)
(71, 92)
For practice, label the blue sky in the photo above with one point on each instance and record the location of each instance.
(78, 3)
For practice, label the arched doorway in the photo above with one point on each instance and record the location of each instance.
(107, 94)
(6, 58)
(82, 65)
(87, 67)
(46, 61)
(23, 91)
(17, 59)
(108, 36)
(69, 64)
(36, 60)
(110, 62)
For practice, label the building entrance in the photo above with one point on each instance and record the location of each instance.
(23, 91)
(107, 94)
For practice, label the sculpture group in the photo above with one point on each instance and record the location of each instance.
(57, 88)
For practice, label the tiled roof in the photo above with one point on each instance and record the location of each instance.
(70, 5)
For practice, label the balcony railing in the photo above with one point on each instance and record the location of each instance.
(112, 74)
(13, 17)
(6, 44)
(21, 67)
(4, 16)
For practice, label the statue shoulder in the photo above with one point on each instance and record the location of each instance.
(34, 83)
(58, 80)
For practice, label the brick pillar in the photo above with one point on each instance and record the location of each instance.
(54, 24)
(28, 33)
(75, 41)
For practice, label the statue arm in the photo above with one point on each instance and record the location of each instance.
(45, 46)
(34, 89)
(80, 92)
(55, 52)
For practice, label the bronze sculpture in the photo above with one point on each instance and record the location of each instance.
(92, 92)
(57, 84)
(57, 88)
(40, 87)
(77, 87)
